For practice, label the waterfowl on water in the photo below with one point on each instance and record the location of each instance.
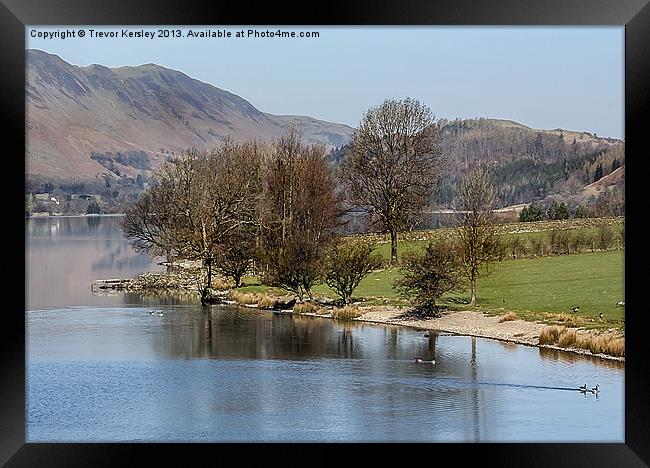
(583, 388)
(420, 361)
(152, 312)
(596, 389)
(161, 313)
(575, 309)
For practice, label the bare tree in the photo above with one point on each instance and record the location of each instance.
(347, 264)
(202, 197)
(478, 242)
(148, 223)
(393, 164)
(299, 212)
(235, 256)
(428, 275)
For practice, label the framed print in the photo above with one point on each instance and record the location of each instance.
(366, 225)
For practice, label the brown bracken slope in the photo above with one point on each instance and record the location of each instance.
(74, 111)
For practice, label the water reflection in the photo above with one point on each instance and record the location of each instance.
(93, 222)
(248, 370)
(240, 374)
(556, 355)
(154, 298)
(65, 254)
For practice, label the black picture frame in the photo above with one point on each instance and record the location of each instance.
(633, 14)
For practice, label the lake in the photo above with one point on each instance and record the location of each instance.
(102, 369)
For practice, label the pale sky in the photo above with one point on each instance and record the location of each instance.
(543, 77)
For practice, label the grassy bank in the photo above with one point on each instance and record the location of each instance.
(534, 287)
(542, 288)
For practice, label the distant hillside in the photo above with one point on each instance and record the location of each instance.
(104, 130)
(526, 164)
(80, 118)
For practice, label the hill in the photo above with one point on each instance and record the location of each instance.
(103, 130)
(78, 118)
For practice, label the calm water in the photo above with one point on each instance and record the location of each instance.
(100, 368)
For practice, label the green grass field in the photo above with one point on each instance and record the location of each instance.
(535, 288)
(538, 288)
(593, 281)
(409, 246)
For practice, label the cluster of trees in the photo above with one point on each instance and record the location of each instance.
(203, 201)
(609, 203)
(111, 161)
(278, 207)
(604, 163)
(536, 212)
(93, 208)
(65, 204)
(557, 211)
(275, 207)
(524, 164)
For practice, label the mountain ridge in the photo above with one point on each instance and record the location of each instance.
(73, 111)
(93, 122)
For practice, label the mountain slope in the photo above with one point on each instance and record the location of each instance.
(526, 164)
(88, 122)
(73, 112)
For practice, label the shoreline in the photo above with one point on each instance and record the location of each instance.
(461, 323)
(464, 322)
(481, 325)
(92, 215)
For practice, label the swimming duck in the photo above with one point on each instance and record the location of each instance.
(152, 312)
(583, 388)
(575, 309)
(161, 313)
(420, 361)
(596, 389)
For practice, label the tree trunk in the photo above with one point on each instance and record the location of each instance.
(393, 247)
(472, 280)
(206, 288)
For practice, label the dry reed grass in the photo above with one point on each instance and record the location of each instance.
(267, 302)
(606, 343)
(346, 313)
(603, 344)
(568, 338)
(510, 316)
(222, 283)
(567, 320)
(306, 307)
(550, 334)
(244, 298)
